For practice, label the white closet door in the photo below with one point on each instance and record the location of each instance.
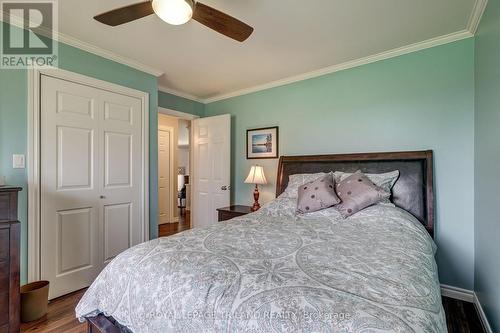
(211, 167)
(91, 181)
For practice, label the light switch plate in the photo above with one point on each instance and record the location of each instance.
(18, 161)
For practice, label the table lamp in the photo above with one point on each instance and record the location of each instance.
(256, 176)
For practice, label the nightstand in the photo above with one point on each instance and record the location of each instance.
(230, 212)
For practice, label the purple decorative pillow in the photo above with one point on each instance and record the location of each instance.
(317, 195)
(358, 192)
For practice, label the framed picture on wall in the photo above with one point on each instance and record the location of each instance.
(263, 143)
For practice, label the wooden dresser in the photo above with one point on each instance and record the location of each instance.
(10, 232)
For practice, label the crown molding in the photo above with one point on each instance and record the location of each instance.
(350, 64)
(472, 26)
(476, 15)
(108, 55)
(180, 94)
(72, 41)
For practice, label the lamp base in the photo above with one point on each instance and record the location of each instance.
(256, 205)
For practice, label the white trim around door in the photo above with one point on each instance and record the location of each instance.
(190, 117)
(171, 174)
(33, 156)
(177, 114)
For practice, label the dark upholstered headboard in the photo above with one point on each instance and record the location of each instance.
(414, 190)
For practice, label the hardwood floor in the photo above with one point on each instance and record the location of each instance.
(461, 317)
(173, 228)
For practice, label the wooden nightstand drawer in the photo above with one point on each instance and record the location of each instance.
(224, 216)
(231, 212)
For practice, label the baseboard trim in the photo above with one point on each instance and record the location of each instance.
(457, 293)
(482, 315)
(470, 297)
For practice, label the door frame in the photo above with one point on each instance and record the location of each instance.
(177, 114)
(191, 118)
(33, 156)
(170, 130)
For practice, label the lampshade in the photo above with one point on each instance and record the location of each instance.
(256, 176)
(174, 12)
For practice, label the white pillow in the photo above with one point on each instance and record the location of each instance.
(383, 180)
(294, 181)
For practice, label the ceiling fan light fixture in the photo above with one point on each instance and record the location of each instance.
(175, 12)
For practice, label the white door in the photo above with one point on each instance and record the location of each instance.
(91, 181)
(165, 175)
(211, 168)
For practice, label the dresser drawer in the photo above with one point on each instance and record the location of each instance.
(8, 205)
(4, 206)
(4, 305)
(4, 244)
(9, 260)
(4, 276)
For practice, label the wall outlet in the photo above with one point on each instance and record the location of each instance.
(18, 161)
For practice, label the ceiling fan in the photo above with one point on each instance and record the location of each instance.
(178, 12)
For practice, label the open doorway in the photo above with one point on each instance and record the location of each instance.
(174, 166)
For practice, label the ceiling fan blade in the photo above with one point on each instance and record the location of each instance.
(222, 23)
(125, 14)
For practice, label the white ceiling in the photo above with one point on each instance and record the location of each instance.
(291, 37)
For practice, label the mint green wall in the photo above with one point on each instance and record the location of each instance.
(13, 120)
(173, 102)
(487, 149)
(423, 100)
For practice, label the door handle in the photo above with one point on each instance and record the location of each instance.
(225, 188)
(102, 197)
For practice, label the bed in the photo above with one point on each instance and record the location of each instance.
(276, 271)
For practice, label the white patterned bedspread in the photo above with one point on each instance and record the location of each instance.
(275, 271)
